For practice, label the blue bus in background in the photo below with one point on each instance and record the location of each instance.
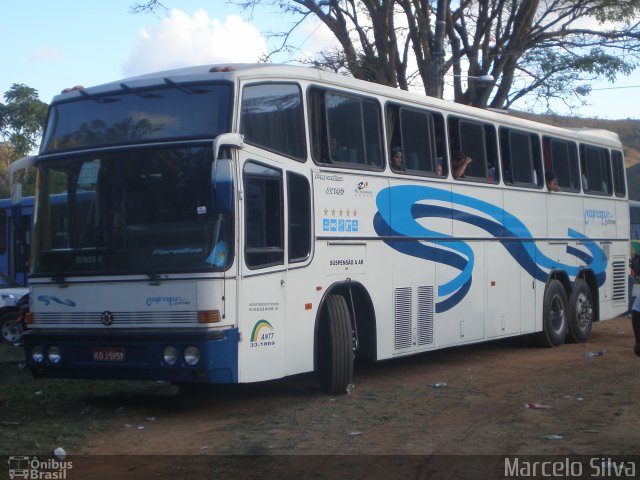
(15, 238)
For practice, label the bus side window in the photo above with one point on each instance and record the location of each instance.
(263, 216)
(3, 234)
(346, 129)
(272, 117)
(521, 159)
(618, 173)
(299, 208)
(561, 156)
(477, 141)
(419, 135)
(596, 170)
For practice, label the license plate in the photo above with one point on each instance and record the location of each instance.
(108, 355)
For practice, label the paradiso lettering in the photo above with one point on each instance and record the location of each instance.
(262, 335)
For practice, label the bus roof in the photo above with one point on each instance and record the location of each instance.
(264, 71)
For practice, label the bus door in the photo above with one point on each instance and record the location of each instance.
(261, 313)
(17, 251)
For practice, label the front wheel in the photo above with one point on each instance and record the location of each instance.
(11, 327)
(335, 346)
(581, 312)
(555, 316)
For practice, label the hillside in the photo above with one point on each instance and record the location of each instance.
(628, 130)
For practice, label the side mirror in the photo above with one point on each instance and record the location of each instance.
(226, 140)
(222, 183)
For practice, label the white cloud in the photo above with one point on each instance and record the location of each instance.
(46, 54)
(184, 40)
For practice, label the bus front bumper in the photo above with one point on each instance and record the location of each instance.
(175, 356)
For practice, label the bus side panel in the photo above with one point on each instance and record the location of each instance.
(526, 221)
(600, 225)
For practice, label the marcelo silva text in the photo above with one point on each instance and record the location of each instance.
(566, 468)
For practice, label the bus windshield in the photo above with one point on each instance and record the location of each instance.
(142, 211)
(171, 112)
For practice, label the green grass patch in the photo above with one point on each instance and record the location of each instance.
(38, 415)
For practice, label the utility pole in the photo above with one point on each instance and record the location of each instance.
(437, 52)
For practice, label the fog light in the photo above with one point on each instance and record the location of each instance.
(54, 354)
(36, 354)
(192, 355)
(170, 355)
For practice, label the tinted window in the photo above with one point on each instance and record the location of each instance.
(346, 130)
(521, 160)
(618, 173)
(272, 117)
(263, 216)
(175, 112)
(596, 173)
(561, 157)
(419, 136)
(476, 141)
(3, 232)
(299, 205)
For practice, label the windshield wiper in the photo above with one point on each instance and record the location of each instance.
(130, 243)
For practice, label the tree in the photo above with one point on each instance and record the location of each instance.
(22, 120)
(539, 48)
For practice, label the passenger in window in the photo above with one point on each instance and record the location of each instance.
(460, 164)
(338, 154)
(585, 183)
(552, 181)
(396, 159)
(439, 168)
(491, 173)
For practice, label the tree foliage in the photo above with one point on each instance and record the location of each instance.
(22, 120)
(540, 48)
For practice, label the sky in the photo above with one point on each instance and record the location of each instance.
(52, 45)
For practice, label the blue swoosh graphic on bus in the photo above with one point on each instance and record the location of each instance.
(401, 220)
(47, 299)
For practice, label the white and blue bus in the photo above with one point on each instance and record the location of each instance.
(244, 223)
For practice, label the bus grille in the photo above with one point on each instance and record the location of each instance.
(119, 318)
(425, 315)
(619, 280)
(403, 318)
(404, 327)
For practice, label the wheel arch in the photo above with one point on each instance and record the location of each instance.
(562, 277)
(365, 319)
(590, 278)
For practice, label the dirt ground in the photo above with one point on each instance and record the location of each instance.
(393, 421)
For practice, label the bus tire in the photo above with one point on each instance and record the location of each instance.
(335, 348)
(11, 327)
(581, 312)
(555, 316)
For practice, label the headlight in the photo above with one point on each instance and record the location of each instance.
(54, 355)
(192, 355)
(36, 354)
(170, 355)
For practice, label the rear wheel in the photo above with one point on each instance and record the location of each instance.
(335, 347)
(581, 312)
(11, 327)
(555, 316)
